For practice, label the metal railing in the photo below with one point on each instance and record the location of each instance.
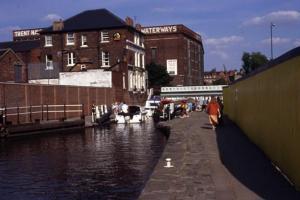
(43, 110)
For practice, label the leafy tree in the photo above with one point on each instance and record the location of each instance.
(253, 61)
(158, 75)
(220, 81)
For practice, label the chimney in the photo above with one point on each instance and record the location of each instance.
(138, 27)
(129, 21)
(58, 25)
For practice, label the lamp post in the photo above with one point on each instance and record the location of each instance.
(271, 29)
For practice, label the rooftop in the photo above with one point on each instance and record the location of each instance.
(20, 46)
(90, 20)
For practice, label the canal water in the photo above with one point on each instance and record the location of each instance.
(111, 163)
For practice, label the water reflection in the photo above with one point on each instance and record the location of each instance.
(109, 163)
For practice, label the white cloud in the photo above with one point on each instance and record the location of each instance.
(222, 54)
(52, 17)
(276, 40)
(278, 16)
(297, 42)
(223, 40)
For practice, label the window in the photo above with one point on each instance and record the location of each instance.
(71, 59)
(153, 54)
(48, 41)
(105, 59)
(70, 38)
(84, 41)
(49, 62)
(104, 37)
(143, 60)
(142, 41)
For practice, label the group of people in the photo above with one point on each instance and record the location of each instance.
(214, 110)
(121, 107)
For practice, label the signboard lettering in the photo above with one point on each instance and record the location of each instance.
(159, 29)
(26, 33)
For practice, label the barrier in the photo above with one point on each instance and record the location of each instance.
(266, 106)
(42, 110)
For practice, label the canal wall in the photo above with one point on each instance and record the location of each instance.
(266, 106)
(25, 95)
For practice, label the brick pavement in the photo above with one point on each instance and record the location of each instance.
(221, 164)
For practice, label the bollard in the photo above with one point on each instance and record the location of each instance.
(169, 165)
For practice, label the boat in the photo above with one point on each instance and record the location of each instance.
(135, 114)
(152, 104)
(101, 114)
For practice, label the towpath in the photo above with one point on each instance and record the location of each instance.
(221, 164)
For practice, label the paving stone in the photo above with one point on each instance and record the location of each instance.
(198, 172)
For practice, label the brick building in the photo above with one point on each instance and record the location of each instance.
(28, 51)
(11, 66)
(221, 77)
(96, 40)
(177, 48)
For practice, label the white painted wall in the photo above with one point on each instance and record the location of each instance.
(91, 78)
(45, 81)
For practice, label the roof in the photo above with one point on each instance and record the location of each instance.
(90, 20)
(2, 51)
(20, 46)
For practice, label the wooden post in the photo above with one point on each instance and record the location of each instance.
(65, 111)
(82, 111)
(30, 114)
(47, 112)
(42, 112)
(18, 114)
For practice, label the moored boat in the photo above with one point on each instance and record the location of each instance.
(135, 114)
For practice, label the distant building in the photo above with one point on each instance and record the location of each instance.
(96, 40)
(28, 51)
(221, 77)
(177, 48)
(12, 67)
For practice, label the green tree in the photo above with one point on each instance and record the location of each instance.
(252, 61)
(220, 81)
(158, 75)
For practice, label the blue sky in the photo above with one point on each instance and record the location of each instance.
(228, 28)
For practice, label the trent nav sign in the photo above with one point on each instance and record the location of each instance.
(159, 29)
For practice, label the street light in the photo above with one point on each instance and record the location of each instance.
(271, 28)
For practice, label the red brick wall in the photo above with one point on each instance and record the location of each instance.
(175, 46)
(93, 50)
(7, 68)
(13, 95)
(24, 95)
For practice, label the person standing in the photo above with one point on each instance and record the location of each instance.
(213, 111)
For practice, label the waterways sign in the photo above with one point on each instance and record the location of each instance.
(159, 29)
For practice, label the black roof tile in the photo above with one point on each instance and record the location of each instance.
(91, 20)
(20, 46)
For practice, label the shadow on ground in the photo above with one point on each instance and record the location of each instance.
(249, 165)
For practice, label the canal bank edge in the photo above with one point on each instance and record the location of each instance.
(191, 176)
(198, 172)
